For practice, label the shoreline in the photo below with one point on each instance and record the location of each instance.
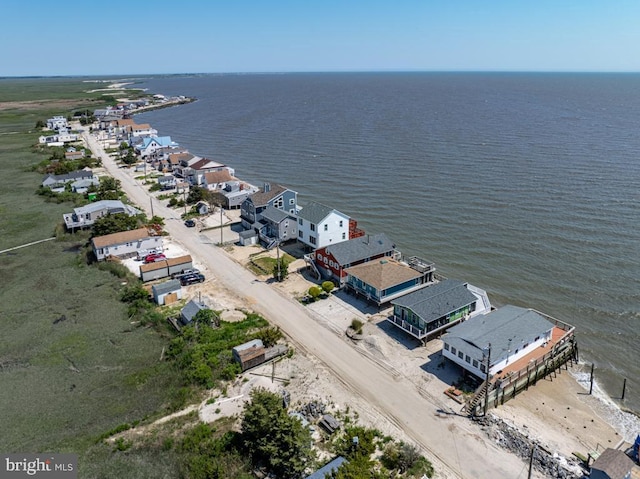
(547, 422)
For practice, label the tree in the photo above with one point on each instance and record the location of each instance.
(40, 124)
(274, 438)
(327, 286)
(114, 224)
(280, 270)
(206, 317)
(196, 193)
(109, 188)
(129, 158)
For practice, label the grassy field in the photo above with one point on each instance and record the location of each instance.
(72, 366)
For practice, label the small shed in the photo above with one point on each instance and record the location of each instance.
(249, 354)
(329, 423)
(190, 310)
(248, 237)
(164, 268)
(202, 208)
(167, 292)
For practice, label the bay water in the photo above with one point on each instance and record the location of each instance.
(523, 184)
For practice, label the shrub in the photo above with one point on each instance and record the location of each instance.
(327, 286)
(356, 325)
(314, 292)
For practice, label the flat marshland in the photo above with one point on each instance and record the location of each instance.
(72, 366)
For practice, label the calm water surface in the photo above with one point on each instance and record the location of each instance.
(525, 185)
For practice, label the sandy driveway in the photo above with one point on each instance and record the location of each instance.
(455, 445)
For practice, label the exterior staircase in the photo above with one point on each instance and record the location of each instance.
(478, 396)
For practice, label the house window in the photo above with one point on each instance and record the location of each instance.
(319, 257)
(483, 368)
(446, 346)
(467, 359)
(475, 363)
(312, 239)
(331, 263)
(300, 234)
(313, 227)
(326, 260)
(453, 350)
(344, 235)
(292, 201)
(460, 354)
(300, 221)
(340, 223)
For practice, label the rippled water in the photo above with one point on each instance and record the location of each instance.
(523, 184)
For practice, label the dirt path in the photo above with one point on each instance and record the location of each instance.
(455, 445)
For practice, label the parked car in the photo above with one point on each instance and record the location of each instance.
(190, 223)
(185, 272)
(153, 257)
(188, 279)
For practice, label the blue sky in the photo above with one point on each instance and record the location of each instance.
(141, 37)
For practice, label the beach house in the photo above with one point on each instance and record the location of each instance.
(276, 196)
(505, 335)
(85, 216)
(432, 310)
(124, 243)
(386, 279)
(333, 260)
(320, 225)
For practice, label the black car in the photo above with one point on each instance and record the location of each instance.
(188, 279)
(190, 223)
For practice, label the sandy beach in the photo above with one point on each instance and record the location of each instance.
(391, 381)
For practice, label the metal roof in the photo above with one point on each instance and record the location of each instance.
(437, 300)
(506, 328)
(361, 248)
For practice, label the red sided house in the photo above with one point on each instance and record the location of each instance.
(332, 260)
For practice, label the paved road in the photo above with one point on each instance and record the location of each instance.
(456, 447)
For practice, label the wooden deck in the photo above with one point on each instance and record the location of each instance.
(537, 354)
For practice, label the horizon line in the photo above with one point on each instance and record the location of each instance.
(125, 75)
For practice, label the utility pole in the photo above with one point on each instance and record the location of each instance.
(486, 391)
(151, 201)
(220, 206)
(533, 450)
(278, 261)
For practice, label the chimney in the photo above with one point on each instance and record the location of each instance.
(267, 187)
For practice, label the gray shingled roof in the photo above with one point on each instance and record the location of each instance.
(358, 249)
(190, 310)
(513, 323)
(438, 300)
(274, 214)
(613, 462)
(315, 212)
(166, 287)
(262, 198)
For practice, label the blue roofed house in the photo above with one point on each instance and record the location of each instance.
(431, 310)
(148, 146)
(333, 260)
(511, 332)
(277, 227)
(276, 196)
(386, 279)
